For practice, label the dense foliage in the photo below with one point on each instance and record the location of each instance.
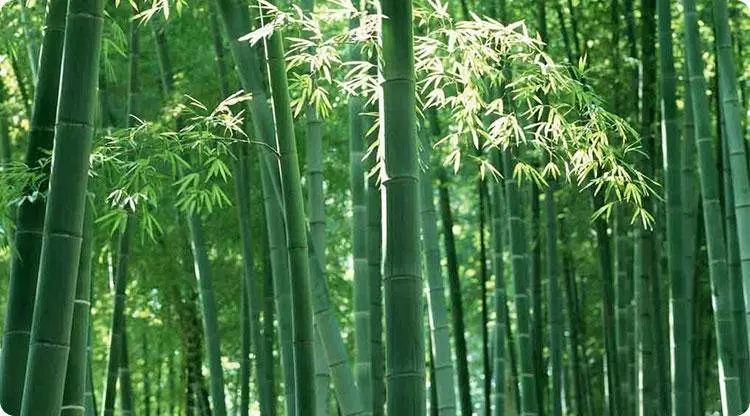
(374, 207)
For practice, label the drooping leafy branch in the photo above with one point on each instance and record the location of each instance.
(495, 81)
(133, 167)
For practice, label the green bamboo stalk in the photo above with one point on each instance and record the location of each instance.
(75, 376)
(519, 247)
(454, 289)
(219, 54)
(510, 346)
(652, 401)
(555, 304)
(537, 337)
(120, 276)
(582, 400)
(281, 281)
(681, 307)
(404, 357)
(236, 23)
(691, 202)
(66, 200)
(242, 182)
(648, 400)
(244, 408)
(120, 279)
(208, 307)
(322, 377)
(316, 208)
(32, 49)
(734, 266)
(327, 325)
(192, 342)
(498, 269)
(304, 371)
(483, 278)
(608, 308)
(30, 216)
(713, 224)
(89, 394)
(433, 384)
(622, 247)
(126, 383)
(374, 262)
(20, 82)
(376, 293)
(242, 187)
(362, 302)
(735, 141)
(624, 311)
(202, 267)
(537, 316)
(268, 327)
(438, 312)
(681, 289)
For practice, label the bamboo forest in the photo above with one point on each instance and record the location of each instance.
(374, 207)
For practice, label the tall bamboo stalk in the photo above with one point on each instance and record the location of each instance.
(518, 248)
(651, 399)
(114, 355)
(438, 312)
(208, 306)
(404, 341)
(236, 23)
(735, 273)
(242, 181)
(455, 292)
(577, 364)
(712, 218)
(498, 269)
(316, 210)
(296, 224)
(327, 325)
(604, 251)
(32, 48)
(268, 327)
(66, 200)
(126, 382)
(75, 376)
(316, 207)
(537, 316)
(374, 261)
(483, 278)
(555, 304)
(244, 401)
(680, 311)
(624, 311)
(735, 142)
(621, 240)
(27, 242)
(362, 302)
(89, 394)
(122, 258)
